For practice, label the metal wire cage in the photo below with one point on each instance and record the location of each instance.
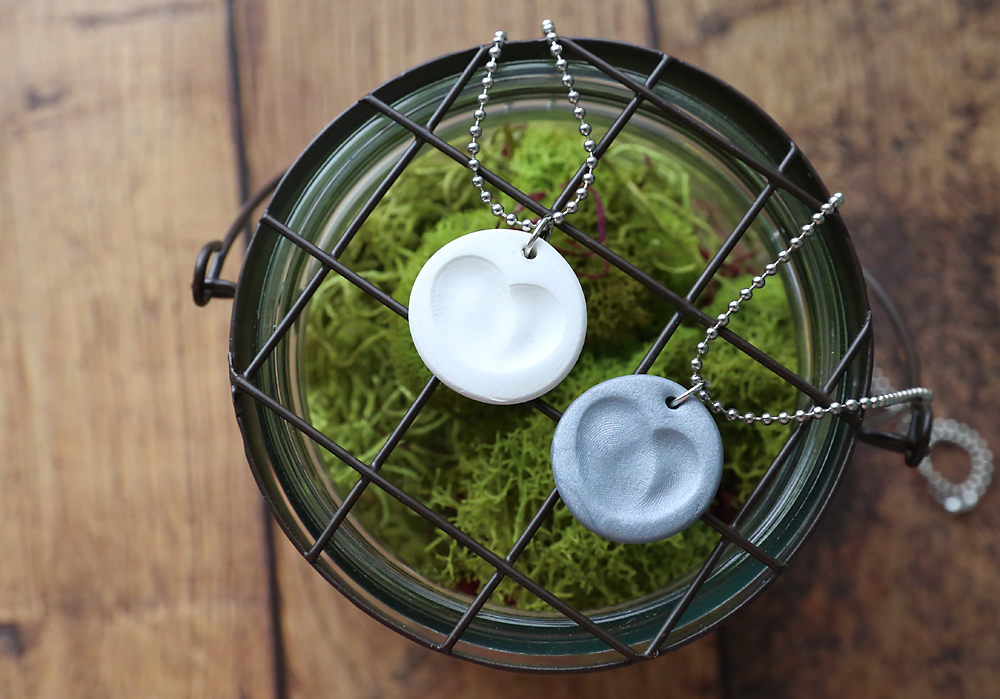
(451, 624)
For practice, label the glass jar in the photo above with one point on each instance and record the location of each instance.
(330, 183)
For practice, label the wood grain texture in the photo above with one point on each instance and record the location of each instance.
(131, 557)
(336, 650)
(132, 561)
(897, 104)
(300, 66)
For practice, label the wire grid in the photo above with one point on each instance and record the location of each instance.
(504, 566)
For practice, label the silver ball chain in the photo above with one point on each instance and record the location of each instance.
(700, 386)
(476, 131)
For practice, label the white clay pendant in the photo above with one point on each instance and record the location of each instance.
(494, 325)
(630, 468)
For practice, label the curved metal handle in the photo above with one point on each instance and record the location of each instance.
(923, 431)
(203, 287)
(916, 444)
(207, 285)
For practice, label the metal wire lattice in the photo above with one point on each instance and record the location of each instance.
(208, 284)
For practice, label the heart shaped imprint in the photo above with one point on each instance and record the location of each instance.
(494, 325)
(631, 469)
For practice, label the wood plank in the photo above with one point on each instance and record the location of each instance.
(130, 529)
(898, 106)
(335, 648)
(301, 65)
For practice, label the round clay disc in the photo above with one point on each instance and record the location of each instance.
(630, 468)
(494, 325)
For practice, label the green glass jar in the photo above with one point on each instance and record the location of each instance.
(329, 185)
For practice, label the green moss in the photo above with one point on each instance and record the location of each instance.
(486, 468)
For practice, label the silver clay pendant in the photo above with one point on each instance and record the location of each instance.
(630, 468)
(493, 324)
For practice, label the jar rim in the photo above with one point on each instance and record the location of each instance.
(734, 111)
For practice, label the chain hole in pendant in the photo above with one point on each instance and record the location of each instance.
(671, 402)
(543, 226)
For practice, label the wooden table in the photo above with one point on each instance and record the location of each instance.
(135, 559)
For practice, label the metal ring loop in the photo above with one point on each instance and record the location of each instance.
(676, 402)
(957, 498)
(543, 224)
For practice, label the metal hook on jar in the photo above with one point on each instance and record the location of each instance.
(544, 224)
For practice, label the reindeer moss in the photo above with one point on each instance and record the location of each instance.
(486, 468)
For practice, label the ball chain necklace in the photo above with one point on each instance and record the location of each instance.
(502, 319)
(498, 317)
(589, 145)
(638, 486)
(701, 387)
